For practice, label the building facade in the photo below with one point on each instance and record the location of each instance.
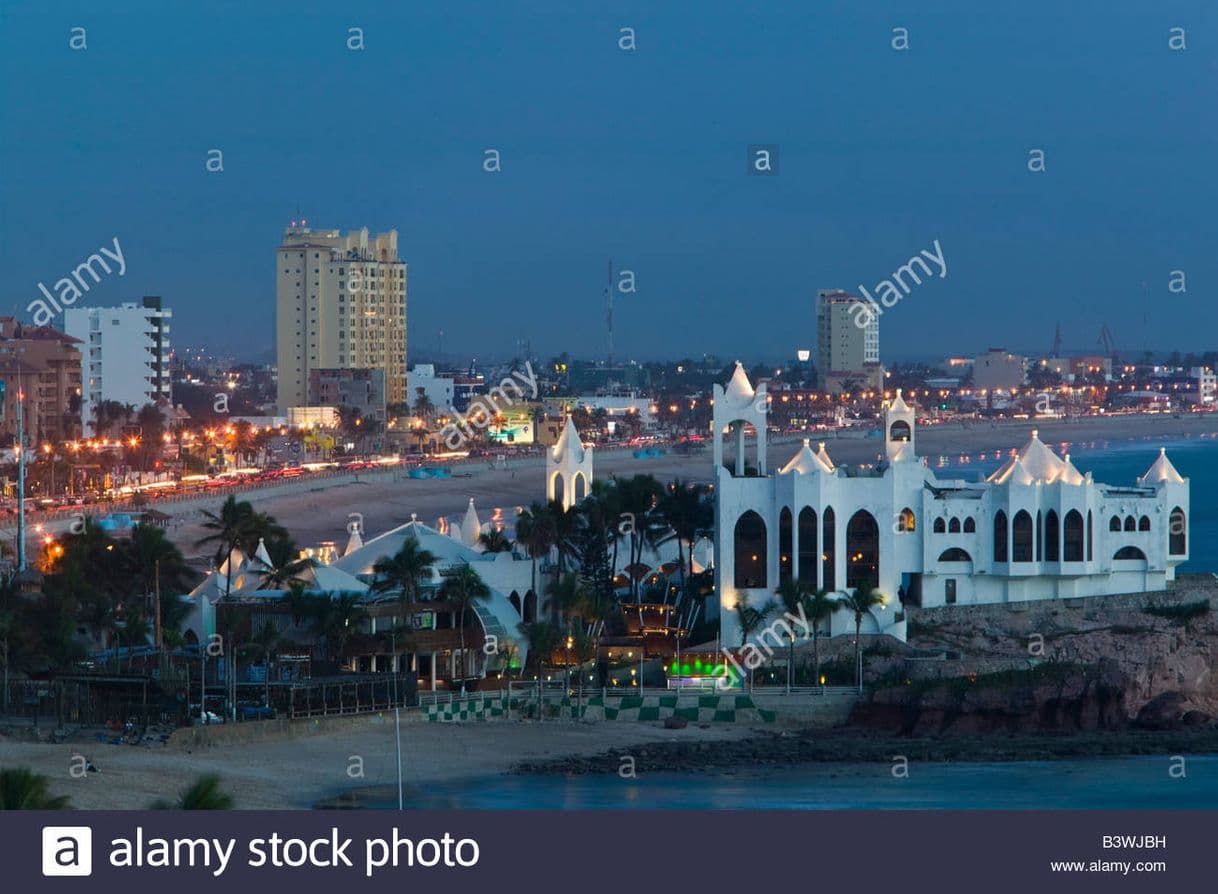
(340, 304)
(1035, 529)
(44, 363)
(847, 342)
(439, 390)
(999, 370)
(359, 389)
(124, 354)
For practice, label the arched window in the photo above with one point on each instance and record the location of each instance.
(970, 525)
(1000, 536)
(1177, 533)
(906, 521)
(579, 487)
(1144, 523)
(750, 558)
(807, 546)
(529, 612)
(940, 527)
(828, 524)
(955, 554)
(559, 487)
(1053, 537)
(1021, 536)
(1040, 536)
(862, 550)
(953, 526)
(900, 431)
(1072, 536)
(1131, 524)
(515, 600)
(1090, 556)
(785, 545)
(1129, 552)
(1114, 523)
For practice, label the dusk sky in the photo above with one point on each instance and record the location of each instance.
(639, 156)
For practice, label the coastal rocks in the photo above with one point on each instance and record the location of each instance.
(1170, 711)
(1154, 642)
(1049, 698)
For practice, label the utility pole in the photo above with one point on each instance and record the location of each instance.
(609, 311)
(20, 473)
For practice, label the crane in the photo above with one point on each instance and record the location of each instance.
(1107, 341)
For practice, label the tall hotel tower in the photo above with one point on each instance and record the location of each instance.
(340, 304)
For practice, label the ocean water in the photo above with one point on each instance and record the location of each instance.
(1133, 783)
(1120, 462)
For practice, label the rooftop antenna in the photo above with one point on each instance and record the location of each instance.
(609, 311)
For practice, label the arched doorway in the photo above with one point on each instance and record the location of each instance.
(1177, 533)
(1021, 536)
(829, 553)
(1053, 537)
(1000, 536)
(750, 551)
(785, 545)
(807, 546)
(862, 550)
(1072, 539)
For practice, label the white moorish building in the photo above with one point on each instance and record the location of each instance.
(1035, 529)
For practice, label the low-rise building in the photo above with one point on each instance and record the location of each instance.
(45, 364)
(359, 389)
(999, 370)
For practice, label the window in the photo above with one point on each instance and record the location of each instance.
(1144, 523)
(955, 554)
(906, 521)
(1127, 553)
(970, 526)
(1000, 536)
(1021, 536)
(806, 570)
(785, 545)
(1114, 523)
(940, 527)
(1130, 523)
(953, 526)
(949, 591)
(1177, 533)
(1052, 537)
(1072, 539)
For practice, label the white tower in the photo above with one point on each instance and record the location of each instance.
(568, 468)
(899, 420)
(735, 406)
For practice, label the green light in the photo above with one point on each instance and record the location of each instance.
(674, 667)
(685, 669)
(698, 664)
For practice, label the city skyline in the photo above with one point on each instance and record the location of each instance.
(602, 164)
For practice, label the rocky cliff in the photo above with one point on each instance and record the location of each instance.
(1087, 664)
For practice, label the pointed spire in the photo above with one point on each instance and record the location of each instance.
(471, 525)
(1162, 470)
(805, 462)
(569, 440)
(354, 542)
(739, 387)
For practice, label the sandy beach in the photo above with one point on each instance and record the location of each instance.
(300, 771)
(387, 500)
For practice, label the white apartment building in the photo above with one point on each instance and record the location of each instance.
(439, 390)
(124, 353)
(340, 304)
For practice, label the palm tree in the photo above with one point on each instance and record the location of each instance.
(686, 508)
(286, 564)
(864, 598)
(751, 619)
(791, 597)
(203, 794)
(227, 527)
(565, 594)
(638, 495)
(21, 789)
(404, 571)
(536, 533)
(542, 638)
(463, 589)
(818, 607)
(339, 616)
(495, 541)
(265, 643)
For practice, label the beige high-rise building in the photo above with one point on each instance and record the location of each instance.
(847, 342)
(340, 304)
